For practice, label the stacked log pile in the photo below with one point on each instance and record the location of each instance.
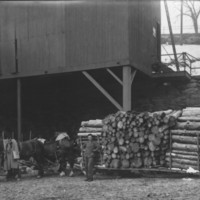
(133, 140)
(93, 127)
(185, 141)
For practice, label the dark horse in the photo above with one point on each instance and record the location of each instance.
(61, 152)
(29, 149)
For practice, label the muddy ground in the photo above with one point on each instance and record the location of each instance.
(53, 187)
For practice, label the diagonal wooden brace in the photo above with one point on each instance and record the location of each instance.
(102, 90)
(115, 76)
(133, 74)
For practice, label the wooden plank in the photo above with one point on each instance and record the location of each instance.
(114, 76)
(62, 69)
(56, 51)
(7, 59)
(133, 74)
(103, 91)
(22, 22)
(181, 75)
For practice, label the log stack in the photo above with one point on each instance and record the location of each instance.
(93, 127)
(184, 150)
(134, 140)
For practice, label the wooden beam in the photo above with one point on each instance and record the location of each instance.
(171, 35)
(102, 90)
(127, 76)
(19, 109)
(133, 74)
(115, 76)
(181, 31)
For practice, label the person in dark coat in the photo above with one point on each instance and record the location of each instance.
(90, 152)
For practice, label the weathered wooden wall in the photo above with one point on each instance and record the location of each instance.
(144, 15)
(64, 36)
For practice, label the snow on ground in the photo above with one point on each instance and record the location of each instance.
(193, 50)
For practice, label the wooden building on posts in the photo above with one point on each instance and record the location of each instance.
(53, 37)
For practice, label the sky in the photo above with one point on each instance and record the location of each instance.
(175, 20)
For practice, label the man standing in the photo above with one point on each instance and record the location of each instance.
(11, 156)
(90, 150)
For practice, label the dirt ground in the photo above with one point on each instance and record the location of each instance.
(104, 187)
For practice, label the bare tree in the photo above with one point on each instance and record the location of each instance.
(192, 10)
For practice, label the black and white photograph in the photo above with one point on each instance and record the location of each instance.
(100, 100)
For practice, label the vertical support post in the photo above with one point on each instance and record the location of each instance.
(158, 38)
(127, 88)
(198, 167)
(184, 61)
(181, 35)
(171, 35)
(170, 143)
(19, 109)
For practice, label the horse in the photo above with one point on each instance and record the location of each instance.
(61, 151)
(27, 150)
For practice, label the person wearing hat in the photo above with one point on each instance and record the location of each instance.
(89, 155)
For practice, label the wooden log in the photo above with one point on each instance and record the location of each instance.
(192, 108)
(92, 123)
(184, 139)
(176, 114)
(161, 129)
(193, 112)
(167, 112)
(152, 147)
(135, 147)
(172, 121)
(181, 156)
(148, 161)
(89, 129)
(155, 130)
(136, 162)
(86, 134)
(190, 153)
(182, 166)
(154, 139)
(189, 118)
(185, 147)
(188, 125)
(182, 161)
(185, 132)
